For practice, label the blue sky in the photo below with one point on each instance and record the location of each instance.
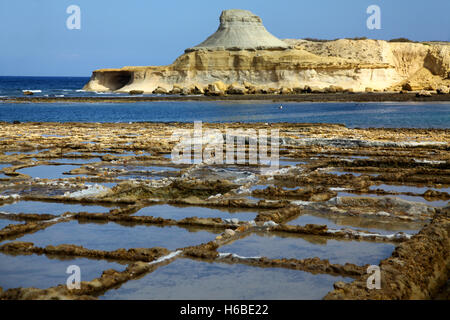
(34, 39)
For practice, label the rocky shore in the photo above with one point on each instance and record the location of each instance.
(303, 97)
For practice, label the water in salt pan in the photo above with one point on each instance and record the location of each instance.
(104, 184)
(289, 162)
(52, 136)
(259, 186)
(397, 188)
(205, 280)
(359, 223)
(143, 172)
(74, 160)
(240, 174)
(6, 222)
(42, 272)
(8, 153)
(356, 174)
(124, 154)
(358, 157)
(282, 245)
(111, 236)
(55, 208)
(2, 166)
(49, 171)
(152, 168)
(436, 203)
(177, 213)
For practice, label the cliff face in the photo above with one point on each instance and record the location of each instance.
(243, 55)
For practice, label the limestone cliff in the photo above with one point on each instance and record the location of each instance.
(243, 57)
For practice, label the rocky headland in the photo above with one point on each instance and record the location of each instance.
(242, 57)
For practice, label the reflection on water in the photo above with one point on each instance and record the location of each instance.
(177, 213)
(74, 160)
(48, 171)
(111, 236)
(203, 281)
(281, 245)
(42, 272)
(8, 153)
(413, 189)
(435, 203)
(2, 166)
(142, 172)
(55, 208)
(361, 223)
(6, 222)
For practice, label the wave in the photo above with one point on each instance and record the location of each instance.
(34, 91)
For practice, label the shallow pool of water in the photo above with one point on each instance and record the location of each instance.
(55, 208)
(397, 188)
(357, 157)
(74, 160)
(189, 279)
(52, 136)
(124, 154)
(2, 166)
(49, 171)
(340, 173)
(143, 172)
(105, 184)
(360, 223)
(437, 203)
(178, 213)
(239, 174)
(260, 186)
(42, 272)
(6, 222)
(290, 162)
(282, 245)
(8, 153)
(152, 168)
(112, 236)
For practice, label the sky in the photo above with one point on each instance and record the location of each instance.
(35, 41)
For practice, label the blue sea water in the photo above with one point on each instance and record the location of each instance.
(43, 86)
(387, 114)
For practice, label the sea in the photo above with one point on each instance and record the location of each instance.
(351, 114)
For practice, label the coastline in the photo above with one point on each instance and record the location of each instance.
(307, 97)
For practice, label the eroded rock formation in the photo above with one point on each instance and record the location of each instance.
(242, 57)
